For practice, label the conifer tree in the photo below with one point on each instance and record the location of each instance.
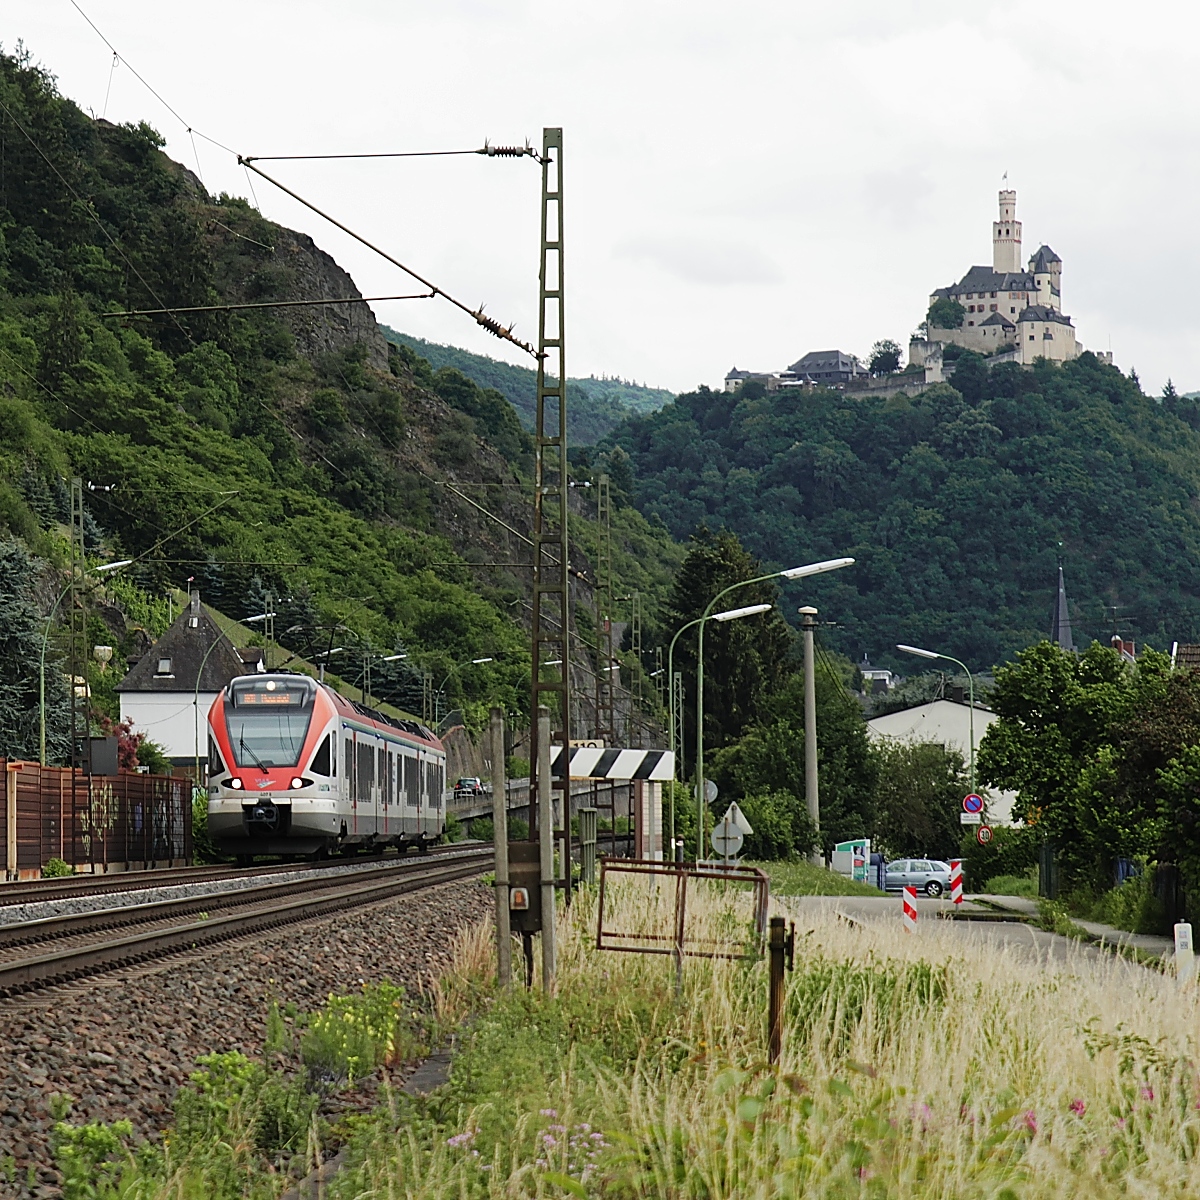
(21, 632)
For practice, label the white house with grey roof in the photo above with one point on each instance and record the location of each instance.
(1011, 313)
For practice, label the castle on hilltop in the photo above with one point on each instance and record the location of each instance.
(1010, 314)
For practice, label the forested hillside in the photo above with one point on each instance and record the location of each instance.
(596, 405)
(955, 502)
(249, 451)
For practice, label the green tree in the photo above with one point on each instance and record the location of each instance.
(945, 313)
(885, 357)
(918, 796)
(768, 761)
(21, 632)
(744, 660)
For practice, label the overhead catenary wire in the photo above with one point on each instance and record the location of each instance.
(201, 308)
(526, 151)
(493, 326)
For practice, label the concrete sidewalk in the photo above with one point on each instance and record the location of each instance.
(1105, 934)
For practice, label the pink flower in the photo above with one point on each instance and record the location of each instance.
(1031, 1121)
(1147, 1092)
(1078, 1107)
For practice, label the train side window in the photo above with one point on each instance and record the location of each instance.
(215, 765)
(366, 772)
(350, 771)
(383, 774)
(322, 763)
(410, 780)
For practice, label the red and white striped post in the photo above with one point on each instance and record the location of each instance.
(910, 909)
(956, 880)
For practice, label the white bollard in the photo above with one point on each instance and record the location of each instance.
(910, 909)
(1185, 957)
(956, 880)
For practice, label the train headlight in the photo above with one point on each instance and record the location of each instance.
(236, 784)
(298, 782)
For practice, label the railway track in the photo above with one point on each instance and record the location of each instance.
(54, 950)
(71, 887)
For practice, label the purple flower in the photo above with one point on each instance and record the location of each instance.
(1147, 1092)
(1078, 1107)
(548, 1112)
(1031, 1121)
(461, 1139)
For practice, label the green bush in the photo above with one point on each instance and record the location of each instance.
(454, 831)
(1011, 885)
(782, 828)
(483, 829)
(1133, 906)
(352, 1035)
(56, 867)
(1013, 850)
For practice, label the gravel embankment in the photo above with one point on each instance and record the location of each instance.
(12, 914)
(122, 1043)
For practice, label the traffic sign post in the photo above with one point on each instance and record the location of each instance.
(983, 834)
(727, 839)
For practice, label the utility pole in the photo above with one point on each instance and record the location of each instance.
(808, 625)
(500, 840)
(606, 724)
(635, 646)
(269, 629)
(551, 595)
(546, 845)
(77, 655)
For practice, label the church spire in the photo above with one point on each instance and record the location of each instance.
(1060, 629)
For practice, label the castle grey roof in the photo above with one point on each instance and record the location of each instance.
(736, 374)
(1043, 258)
(824, 360)
(194, 648)
(984, 279)
(1039, 312)
(998, 319)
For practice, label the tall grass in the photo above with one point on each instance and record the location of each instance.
(926, 1065)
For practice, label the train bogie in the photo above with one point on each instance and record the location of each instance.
(296, 769)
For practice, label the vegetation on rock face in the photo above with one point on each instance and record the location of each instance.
(945, 313)
(954, 502)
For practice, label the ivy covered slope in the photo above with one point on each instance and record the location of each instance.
(293, 451)
(954, 502)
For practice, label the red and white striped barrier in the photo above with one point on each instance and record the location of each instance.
(956, 881)
(910, 909)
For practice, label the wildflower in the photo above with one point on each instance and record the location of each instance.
(1078, 1107)
(461, 1139)
(548, 1112)
(1031, 1121)
(1147, 1092)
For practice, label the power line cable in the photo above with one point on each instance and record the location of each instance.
(526, 151)
(491, 325)
(201, 308)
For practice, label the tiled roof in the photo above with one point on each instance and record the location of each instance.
(194, 647)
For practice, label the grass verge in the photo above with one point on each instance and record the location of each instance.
(795, 877)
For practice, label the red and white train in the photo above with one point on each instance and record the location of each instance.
(296, 769)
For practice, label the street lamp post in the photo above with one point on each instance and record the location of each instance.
(104, 568)
(970, 685)
(467, 662)
(818, 568)
(733, 614)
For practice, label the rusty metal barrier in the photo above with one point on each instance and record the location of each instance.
(676, 940)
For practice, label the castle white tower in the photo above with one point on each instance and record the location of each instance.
(1006, 236)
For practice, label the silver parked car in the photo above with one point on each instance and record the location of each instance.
(928, 875)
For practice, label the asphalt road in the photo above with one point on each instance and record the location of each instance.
(886, 910)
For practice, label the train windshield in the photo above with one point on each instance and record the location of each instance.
(268, 721)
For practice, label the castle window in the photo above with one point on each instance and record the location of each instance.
(969, 323)
(1012, 310)
(992, 306)
(993, 297)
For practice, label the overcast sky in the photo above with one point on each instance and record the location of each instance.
(743, 182)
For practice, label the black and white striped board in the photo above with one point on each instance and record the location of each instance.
(589, 762)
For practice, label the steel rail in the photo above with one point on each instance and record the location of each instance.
(74, 962)
(70, 887)
(41, 929)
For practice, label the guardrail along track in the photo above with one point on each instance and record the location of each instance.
(171, 926)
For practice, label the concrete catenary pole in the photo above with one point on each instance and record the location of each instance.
(546, 845)
(808, 624)
(500, 836)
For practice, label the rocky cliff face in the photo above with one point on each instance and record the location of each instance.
(258, 261)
